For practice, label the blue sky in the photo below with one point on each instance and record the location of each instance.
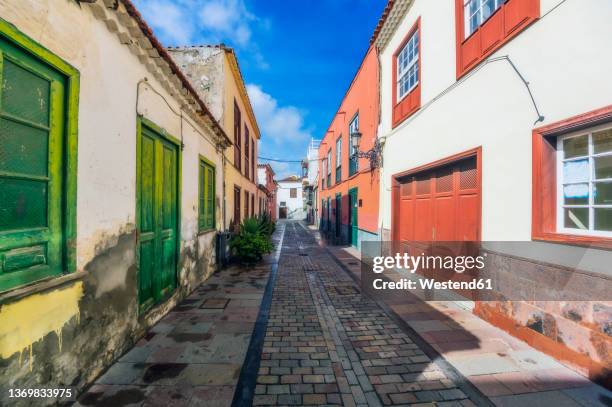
(297, 58)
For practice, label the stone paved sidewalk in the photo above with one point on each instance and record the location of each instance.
(504, 368)
(194, 355)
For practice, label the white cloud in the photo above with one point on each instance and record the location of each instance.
(183, 22)
(228, 18)
(169, 18)
(283, 125)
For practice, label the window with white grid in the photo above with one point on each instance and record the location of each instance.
(408, 66)
(476, 12)
(353, 160)
(584, 182)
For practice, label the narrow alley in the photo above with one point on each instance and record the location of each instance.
(297, 331)
(211, 203)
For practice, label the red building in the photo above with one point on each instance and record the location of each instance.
(267, 185)
(348, 185)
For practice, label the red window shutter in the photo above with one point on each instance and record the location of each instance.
(510, 19)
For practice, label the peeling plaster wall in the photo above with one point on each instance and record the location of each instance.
(68, 334)
(212, 64)
(204, 68)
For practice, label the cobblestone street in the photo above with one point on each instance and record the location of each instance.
(326, 344)
(296, 330)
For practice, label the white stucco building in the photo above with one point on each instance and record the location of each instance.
(495, 121)
(110, 175)
(290, 199)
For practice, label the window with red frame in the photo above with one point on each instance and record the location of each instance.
(482, 26)
(572, 180)
(407, 75)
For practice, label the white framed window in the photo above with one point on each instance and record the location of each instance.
(329, 162)
(584, 182)
(353, 161)
(408, 66)
(476, 12)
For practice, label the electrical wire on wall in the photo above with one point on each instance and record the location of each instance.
(178, 114)
(540, 116)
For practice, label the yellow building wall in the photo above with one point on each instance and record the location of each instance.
(234, 177)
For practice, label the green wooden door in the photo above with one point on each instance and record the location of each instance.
(32, 125)
(353, 209)
(158, 215)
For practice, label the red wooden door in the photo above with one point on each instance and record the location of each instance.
(440, 204)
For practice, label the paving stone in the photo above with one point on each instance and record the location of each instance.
(265, 400)
(452, 394)
(290, 399)
(403, 398)
(334, 398)
(372, 399)
(316, 399)
(263, 379)
(314, 378)
(278, 389)
(358, 395)
(291, 379)
(348, 401)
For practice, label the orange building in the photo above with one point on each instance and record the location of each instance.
(349, 186)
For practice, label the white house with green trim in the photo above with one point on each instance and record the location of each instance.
(110, 197)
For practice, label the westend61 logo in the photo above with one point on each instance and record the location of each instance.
(425, 264)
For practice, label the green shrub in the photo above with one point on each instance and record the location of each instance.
(266, 224)
(252, 241)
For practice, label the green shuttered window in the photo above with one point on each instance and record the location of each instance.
(207, 195)
(36, 210)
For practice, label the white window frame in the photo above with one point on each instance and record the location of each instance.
(353, 128)
(411, 67)
(560, 206)
(479, 12)
(329, 168)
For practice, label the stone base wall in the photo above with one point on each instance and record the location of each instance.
(575, 329)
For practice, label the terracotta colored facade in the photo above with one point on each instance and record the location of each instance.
(337, 219)
(265, 179)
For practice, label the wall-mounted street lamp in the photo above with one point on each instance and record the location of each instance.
(373, 154)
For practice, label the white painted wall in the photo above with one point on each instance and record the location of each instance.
(295, 206)
(565, 57)
(109, 76)
(261, 176)
(312, 155)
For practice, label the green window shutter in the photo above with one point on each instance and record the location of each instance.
(207, 196)
(32, 122)
(210, 197)
(202, 201)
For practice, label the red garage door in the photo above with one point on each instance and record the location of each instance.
(439, 204)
